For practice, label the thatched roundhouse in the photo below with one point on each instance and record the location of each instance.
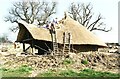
(81, 39)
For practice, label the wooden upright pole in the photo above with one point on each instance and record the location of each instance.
(24, 48)
(32, 46)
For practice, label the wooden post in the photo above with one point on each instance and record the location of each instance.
(24, 48)
(32, 46)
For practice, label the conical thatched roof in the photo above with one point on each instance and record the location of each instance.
(79, 34)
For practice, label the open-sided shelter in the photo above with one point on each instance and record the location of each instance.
(81, 39)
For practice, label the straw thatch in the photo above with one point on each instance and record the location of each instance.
(79, 34)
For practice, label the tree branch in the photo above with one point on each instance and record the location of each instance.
(84, 15)
(101, 29)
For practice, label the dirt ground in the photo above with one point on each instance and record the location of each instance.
(99, 61)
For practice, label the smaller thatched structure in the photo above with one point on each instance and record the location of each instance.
(81, 38)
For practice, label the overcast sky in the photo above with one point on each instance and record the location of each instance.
(107, 8)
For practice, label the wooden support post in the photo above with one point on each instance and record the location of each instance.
(32, 46)
(23, 47)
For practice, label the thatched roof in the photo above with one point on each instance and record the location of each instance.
(79, 34)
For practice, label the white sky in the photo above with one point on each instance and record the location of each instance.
(107, 8)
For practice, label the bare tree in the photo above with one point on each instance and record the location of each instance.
(84, 15)
(31, 12)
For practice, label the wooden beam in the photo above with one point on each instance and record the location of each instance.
(27, 39)
(27, 48)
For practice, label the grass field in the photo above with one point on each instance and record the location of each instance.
(82, 73)
(22, 71)
(25, 71)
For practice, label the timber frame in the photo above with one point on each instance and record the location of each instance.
(42, 46)
(31, 45)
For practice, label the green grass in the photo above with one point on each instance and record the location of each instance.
(68, 73)
(22, 71)
(68, 61)
(82, 73)
(92, 73)
(47, 74)
(84, 62)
